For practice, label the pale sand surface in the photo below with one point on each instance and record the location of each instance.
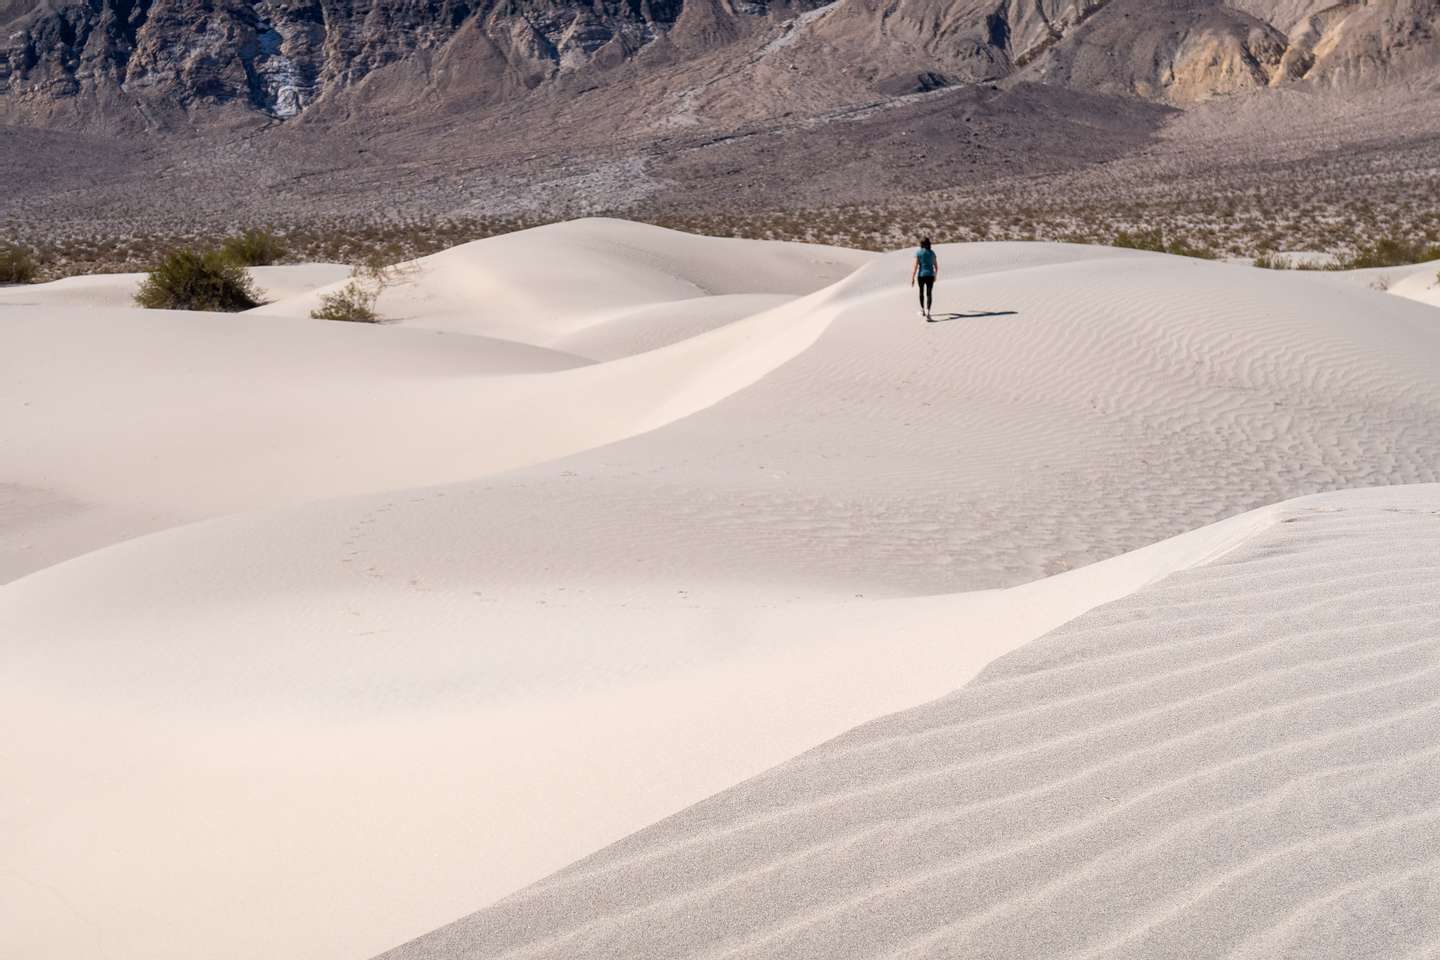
(638, 329)
(1419, 282)
(277, 282)
(1238, 761)
(359, 758)
(398, 684)
(123, 421)
(537, 286)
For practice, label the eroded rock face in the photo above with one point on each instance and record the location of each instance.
(1174, 51)
(275, 58)
(153, 63)
(1190, 50)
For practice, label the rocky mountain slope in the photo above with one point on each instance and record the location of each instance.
(168, 64)
(168, 59)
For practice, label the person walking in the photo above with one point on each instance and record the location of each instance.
(925, 270)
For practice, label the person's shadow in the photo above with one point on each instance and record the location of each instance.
(972, 315)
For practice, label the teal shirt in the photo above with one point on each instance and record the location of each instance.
(926, 259)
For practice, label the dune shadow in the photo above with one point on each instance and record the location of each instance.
(972, 315)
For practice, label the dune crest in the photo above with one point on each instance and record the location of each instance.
(1230, 757)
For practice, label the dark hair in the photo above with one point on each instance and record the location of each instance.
(925, 242)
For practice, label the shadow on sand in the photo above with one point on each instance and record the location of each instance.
(972, 315)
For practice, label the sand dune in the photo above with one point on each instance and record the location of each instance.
(1239, 760)
(392, 728)
(535, 286)
(1083, 403)
(1419, 282)
(478, 592)
(651, 326)
(148, 419)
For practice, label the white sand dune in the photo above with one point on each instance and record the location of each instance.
(278, 282)
(536, 286)
(147, 419)
(1238, 761)
(1419, 282)
(1087, 402)
(651, 326)
(399, 673)
(420, 744)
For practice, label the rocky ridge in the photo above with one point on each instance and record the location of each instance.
(162, 62)
(157, 64)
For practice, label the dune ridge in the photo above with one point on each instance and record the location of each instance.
(1235, 756)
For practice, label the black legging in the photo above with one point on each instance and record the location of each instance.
(927, 293)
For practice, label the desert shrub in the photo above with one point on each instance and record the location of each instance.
(190, 280)
(1141, 240)
(355, 302)
(1155, 240)
(1273, 261)
(1184, 248)
(1389, 252)
(253, 248)
(16, 265)
(352, 303)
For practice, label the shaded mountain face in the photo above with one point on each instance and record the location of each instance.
(151, 64)
(158, 61)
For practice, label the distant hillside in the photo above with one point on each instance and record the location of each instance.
(107, 65)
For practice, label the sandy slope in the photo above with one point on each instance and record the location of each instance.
(254, 713)
(1419, 282)
(1238, 761)
(536, 286)
(1089, 402)
(145, 419)
(651, 326)
(357, 717)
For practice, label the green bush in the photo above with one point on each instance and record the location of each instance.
(1389, 252)
(1155, 240)
(253, 248)
(1273, 261)
(355, 302)
(16, 265)
(1183, 248)
(1144, 240)
(352, 303)
(187, 280)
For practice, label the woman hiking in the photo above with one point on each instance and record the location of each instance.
(926, 269)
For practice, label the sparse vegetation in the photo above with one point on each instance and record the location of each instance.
(16, 265)
(253, 248)
(1390, 252)
(190, 280)
(1273, 261)
(1329, 207)
(1155, 240)
(355, 302)
(1152, 240)
(352, 303)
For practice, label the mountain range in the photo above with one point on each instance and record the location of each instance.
(107, 65)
